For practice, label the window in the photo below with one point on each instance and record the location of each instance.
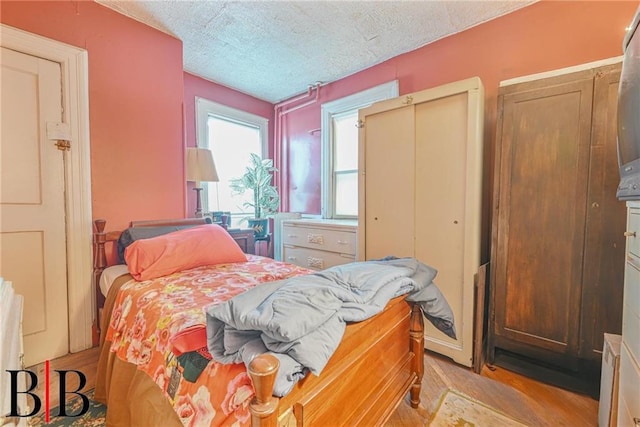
(345, 163)
(231, 135)
(340, 149)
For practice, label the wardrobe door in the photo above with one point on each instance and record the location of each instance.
(420, 192)
(448, 179)
(389, 204)
(603, 275)
(543, 179)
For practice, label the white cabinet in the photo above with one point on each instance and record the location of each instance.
(629, 391)
(318, 243)
(420, 164)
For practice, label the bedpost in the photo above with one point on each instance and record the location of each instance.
(416, 334)
(263, 369)
(99, 264)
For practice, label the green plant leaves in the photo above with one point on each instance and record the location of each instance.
(257, 178)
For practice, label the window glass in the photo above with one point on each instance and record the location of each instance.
(346, 141)
(231, 135)
(231, 144)
(347, 194)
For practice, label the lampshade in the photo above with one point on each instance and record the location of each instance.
(200, 166)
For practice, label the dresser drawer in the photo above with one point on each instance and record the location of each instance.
(631, 307)
(332, 240)
(633, 226)
(312, 258)
(629, 392)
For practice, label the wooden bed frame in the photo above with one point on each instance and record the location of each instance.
(377, 363)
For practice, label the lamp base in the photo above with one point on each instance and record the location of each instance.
(198, 212)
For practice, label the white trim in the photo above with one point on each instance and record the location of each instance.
(206, 108)
(75, 98)
(351, 102)
(561, 71)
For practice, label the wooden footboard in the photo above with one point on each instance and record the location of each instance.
(377, 363)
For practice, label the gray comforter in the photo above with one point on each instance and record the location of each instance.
(301, 320)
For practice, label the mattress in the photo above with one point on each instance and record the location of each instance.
(109, 275)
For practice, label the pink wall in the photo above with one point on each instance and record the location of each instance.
(137, 87)
(195, 86)
(135, 106)
(544, 36)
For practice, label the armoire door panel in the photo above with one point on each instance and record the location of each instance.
(545, 137)
(390, 209)
(441, 226)
(420, 194)
(603, 275)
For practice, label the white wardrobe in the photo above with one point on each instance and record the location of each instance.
(420, 185)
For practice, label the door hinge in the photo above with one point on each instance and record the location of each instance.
(63, 145)
(360, 124)
(408, 100)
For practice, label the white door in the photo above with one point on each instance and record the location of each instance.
(32, 205)
(421, 163)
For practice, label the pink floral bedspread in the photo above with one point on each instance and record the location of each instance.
(148, 314)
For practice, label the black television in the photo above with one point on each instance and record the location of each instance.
(629, 115)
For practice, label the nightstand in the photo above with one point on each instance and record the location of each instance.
(263, 246)
(245, 239)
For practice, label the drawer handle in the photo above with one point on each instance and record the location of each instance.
(315, 238)
(343, 242)
(315, 262)
(629, 234)
(291, 258)
(292, 235)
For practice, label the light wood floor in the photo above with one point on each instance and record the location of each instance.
(526, 400)
(530, 402)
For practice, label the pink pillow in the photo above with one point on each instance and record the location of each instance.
(181, 250)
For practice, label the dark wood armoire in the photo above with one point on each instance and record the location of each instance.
(557, 233)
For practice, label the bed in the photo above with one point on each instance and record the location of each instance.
(378, 361)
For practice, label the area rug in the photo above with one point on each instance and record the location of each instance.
(455, 409)
(94, 417)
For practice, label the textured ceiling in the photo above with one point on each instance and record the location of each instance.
(275, 49)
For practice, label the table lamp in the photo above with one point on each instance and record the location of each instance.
(200, 168)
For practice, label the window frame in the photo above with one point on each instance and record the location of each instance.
(206, 108)
(333, 108)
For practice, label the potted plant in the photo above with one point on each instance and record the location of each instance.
(257, 179)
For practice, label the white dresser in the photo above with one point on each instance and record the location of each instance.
(319, 243)
(629, 391)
